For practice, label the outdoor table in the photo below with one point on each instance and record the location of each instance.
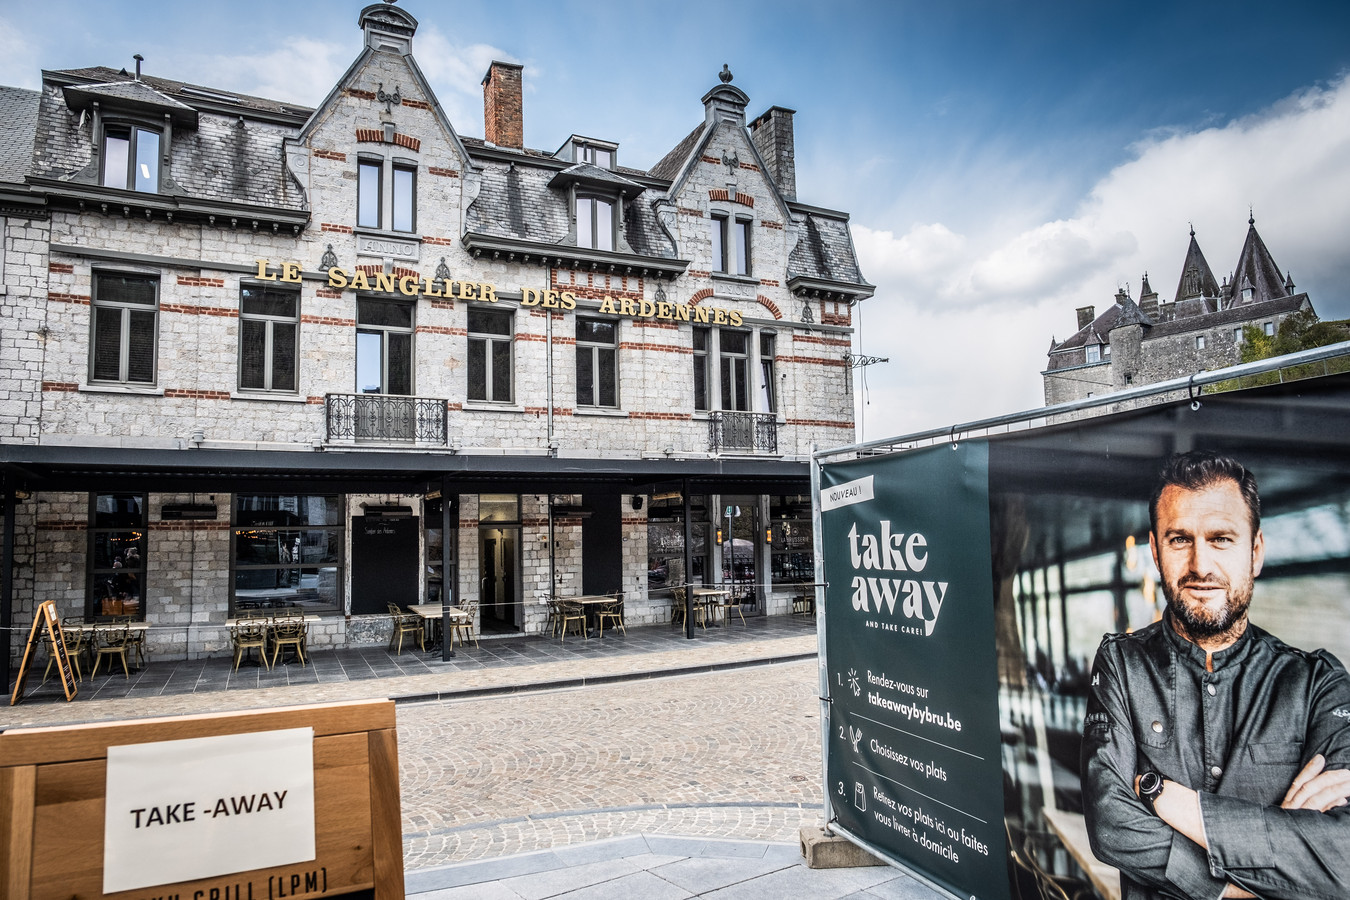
(1071, 829)
(711, 598)
(590, 602)
(432, 614)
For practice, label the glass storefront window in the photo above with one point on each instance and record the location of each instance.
(117, 552)
(665, 542)
(287, 552)
(791, 548)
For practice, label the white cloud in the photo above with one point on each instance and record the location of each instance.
(969, 318)
(456, 75)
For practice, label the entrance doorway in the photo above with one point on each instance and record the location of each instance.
(740, 548)
(499, 605)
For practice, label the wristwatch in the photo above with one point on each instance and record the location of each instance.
(1150, 789)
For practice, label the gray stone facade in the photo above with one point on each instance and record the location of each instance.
(1135, 344)
(246, 194)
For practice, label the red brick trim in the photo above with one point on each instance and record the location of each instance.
(543, 410)
(440, 329)
(405, 140)
(655, 348)
(598, 285)
(62, 268)
(689, 211)
(189, 525)
(836, 318)
(359, 94)
(770, 306)
(653, 323)
(453, 406)
(60, 387)
(698, 273)
(68, 298)
(416, 104)
(328, 320)
(662, 416)
(331, 154)
(823, 341)
(315, 401)
(183, 308)
(777, 226)
(439, 241)
(814, 361)
(193, 394)
(700, 296)
(340, 229)
(58, 525)
(370, 135)
(194, 281)
(820, 423)
(328, 294)
(724, 194)
(442, 304)
(711, 160)
(753, 167)
(768, 282)
(443, 172)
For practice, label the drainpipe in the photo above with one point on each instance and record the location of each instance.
(548, 391)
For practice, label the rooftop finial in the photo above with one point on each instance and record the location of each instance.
(139, 59)
(725, 74)
(1192, 224)
(1251, 217)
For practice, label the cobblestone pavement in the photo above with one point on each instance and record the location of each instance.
(725, 754)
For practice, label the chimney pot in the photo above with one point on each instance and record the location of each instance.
(1085, 316)
(503, 114)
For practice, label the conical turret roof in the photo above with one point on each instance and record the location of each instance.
(1256, 269)
(1196, 278)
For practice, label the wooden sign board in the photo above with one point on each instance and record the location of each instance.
(52, 806)
(47, 619)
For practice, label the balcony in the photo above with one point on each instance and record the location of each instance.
(385, 419)
(744, 431)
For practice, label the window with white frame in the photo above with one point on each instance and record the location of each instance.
(596, 156)
(1094, 353)
(125, 325)
(131, 158)
(1269, 329)
(733, 357)
(1237, 335)
(490, 355)
(595, 222)
(386, 193)
(269, 332)
(768, 388)
(730, 244)
(597, 362)
(1199, 342)
(384, 346)
(702, 338)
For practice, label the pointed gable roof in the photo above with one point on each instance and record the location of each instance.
(1196, 278)
(1256, 269)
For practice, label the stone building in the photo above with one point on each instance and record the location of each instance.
(1134, 344)
(260, 356)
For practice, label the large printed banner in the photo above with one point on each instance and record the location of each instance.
(913, 758)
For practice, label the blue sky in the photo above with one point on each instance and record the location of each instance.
(1003, 162)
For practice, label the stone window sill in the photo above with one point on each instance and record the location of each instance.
(488, 406)
(600, 411)
(271, 398)
(143, 391)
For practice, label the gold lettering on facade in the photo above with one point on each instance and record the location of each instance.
(408, 285)
(262, 271)
(607, 306)
(569, 300)
(359, 282)
(530, 296)
(337, 278)
(384, 281)
(290, 272)
(429, 288)
(488, 293)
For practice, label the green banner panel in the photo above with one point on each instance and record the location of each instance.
(912, 757)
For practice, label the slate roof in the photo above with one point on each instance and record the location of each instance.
(1121, 313)
(1204, 284)
(18, 124)
(1256, 268)
(193, 95)
(670, 165)
(1233, 315)
(825, 251)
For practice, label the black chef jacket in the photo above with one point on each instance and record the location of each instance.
(1238, 736)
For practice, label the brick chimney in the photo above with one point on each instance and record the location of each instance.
(772, 134)
(1085, 316)
(503, 116)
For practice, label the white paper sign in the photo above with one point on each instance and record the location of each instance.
(183, 810)
(846, 494)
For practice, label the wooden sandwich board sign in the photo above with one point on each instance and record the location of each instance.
(46, 618)
(70, 814)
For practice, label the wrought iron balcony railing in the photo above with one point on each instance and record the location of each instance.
(385, 418)
(752, 432)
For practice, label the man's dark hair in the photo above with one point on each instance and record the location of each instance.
(1200, 469)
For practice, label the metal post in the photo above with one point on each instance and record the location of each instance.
(688, 562)
(447, 579)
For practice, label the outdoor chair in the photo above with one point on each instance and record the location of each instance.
(728, 603)
(74, 639)
(289, 631)
(249, 634)
(136, 640)
(551, 623)
(405, 623)
(463, 625)
(677, 609)
(112, 640)
(611, 612)
(573, 616)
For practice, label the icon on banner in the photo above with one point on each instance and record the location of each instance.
(860, 797)
(853, 682)
(854, 735)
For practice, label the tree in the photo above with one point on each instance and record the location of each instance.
(1300, 331)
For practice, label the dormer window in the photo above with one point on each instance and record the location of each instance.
(595, 222)
(596, 156)
(1094, 353)
(730, 244)
(131, 158)
(374, 205)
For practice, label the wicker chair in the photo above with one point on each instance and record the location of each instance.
(405, 623)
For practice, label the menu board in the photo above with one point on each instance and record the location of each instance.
(46, 620)
(912, 756)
